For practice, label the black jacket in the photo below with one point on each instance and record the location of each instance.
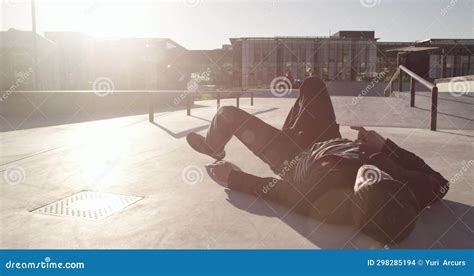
(327, 193)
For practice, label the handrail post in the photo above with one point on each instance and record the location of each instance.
(434, 107)
(188, 105)
(400, 81)
(412, 92)
(151, 111)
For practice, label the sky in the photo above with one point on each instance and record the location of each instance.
(207, 24)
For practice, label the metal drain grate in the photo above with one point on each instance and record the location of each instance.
(88, 205)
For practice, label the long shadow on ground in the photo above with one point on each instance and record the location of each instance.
(447, 224)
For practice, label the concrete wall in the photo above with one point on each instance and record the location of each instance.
(50, 108)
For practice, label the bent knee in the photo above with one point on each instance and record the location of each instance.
(314, 80)
(227, 110)
(314, 84)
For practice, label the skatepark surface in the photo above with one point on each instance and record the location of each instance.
(182, 207)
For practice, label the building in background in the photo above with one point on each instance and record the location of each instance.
(386, 60)
(129, 63)
(26, 58)
(74, 61)
(346, 55)
(208, 69)
(431, 58)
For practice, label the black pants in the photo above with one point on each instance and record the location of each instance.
(310, 120)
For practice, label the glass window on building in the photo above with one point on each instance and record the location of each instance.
(449, 66)
(332, 52)
(463, 65)
(302, 52)
(331, 70)
(256, 53)
(293, 54)
(371, 59)
(471, 65)
(325, 71)
(435, 66)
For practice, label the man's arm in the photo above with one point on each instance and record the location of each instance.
(406, 159)
(310, 198)
(402, 157)
(266, 187)
(411, 162)
(276, 190)
(331, 206)
(271, 188)
(427, 184)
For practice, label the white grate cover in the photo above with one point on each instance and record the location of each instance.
(88, 205)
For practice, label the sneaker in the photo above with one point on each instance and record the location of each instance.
(196, 141)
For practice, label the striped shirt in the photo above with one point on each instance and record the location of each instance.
(338, 146)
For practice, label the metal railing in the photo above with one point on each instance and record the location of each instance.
(190, 97)
(413, 79)
(187, 96)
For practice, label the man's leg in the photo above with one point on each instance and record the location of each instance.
(291, 117)
(264, 140)
(312, 117)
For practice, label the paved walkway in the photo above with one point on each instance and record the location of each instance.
(133, 157)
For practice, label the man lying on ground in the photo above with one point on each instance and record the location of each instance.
(370, 182)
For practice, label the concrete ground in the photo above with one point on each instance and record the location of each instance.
(131, 156)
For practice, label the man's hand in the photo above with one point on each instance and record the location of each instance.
(221, 170)
(370, 137)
